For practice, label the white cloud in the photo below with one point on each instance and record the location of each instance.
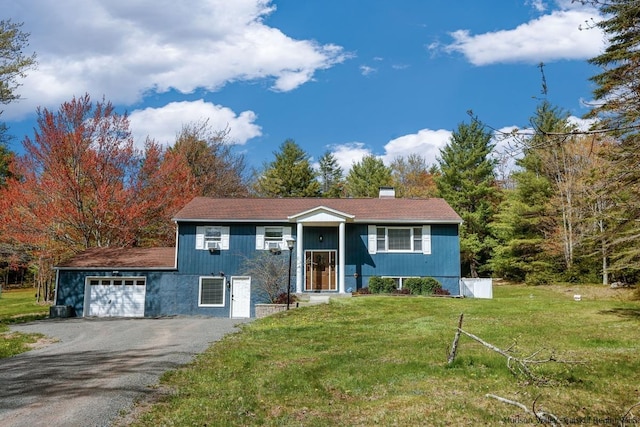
(123, 49)
(427, 143)
(552, 37)
(366, 70)
(163, 124)
(538, 5)
(582, 124)
(348, 154)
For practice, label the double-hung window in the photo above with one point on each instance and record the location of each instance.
(212, 237)
(272, 237)
(399, 239)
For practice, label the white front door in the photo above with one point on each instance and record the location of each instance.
(241, 296)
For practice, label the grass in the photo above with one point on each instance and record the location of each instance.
(18, 306)
(382, 360)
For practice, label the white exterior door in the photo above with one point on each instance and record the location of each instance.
(241, 296)
(115, 296)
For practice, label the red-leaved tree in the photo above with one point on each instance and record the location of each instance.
(81, 184)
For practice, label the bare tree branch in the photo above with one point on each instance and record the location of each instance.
(517, 365)
(541, 416)
(623, 421)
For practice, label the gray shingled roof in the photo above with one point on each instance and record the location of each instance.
(363, 210)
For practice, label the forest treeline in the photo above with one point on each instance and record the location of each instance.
(568, 209)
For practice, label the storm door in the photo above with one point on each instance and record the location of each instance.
(320, 271)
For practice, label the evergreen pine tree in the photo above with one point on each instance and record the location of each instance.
(289, 175)
(467, 182)
(367, 176)
(528, 221)
(331, 180)
(617, 107)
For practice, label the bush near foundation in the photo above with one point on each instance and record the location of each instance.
(423, 286)
(381, 285)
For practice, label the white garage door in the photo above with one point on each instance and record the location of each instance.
(115, 296)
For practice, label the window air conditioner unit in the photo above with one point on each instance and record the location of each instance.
(213, 246)
(273, 246)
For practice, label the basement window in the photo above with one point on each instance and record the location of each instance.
(211, 292)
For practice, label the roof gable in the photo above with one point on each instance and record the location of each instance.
(320, 214)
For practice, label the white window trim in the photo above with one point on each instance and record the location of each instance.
(401, 279)
(201, 242)
(386, 239)
(224, 293)
(262, 244)
(373, 239)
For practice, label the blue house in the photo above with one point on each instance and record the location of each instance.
(337, 245)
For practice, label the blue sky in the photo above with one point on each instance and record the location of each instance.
(353, 77)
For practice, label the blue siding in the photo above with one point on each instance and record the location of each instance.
(443, 263)
(312, 235)
(71, 289)
(242, 246)
(167, 293)
(176, 292)
(242, 243)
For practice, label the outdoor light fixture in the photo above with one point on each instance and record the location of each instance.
(290, 243)
(321, 238)
(227, 282)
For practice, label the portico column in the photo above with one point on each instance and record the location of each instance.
(341, 258)
(299, 258)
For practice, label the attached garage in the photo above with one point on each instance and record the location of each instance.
(113, 282)
(115, 296)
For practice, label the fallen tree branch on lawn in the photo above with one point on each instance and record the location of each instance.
(549, 418)
(517, 365)
(632, 418)
(541, 416)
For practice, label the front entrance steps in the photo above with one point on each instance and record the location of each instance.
(318, 298)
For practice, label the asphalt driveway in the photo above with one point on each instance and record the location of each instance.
(98, 367)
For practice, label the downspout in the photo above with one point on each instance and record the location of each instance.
(55, 289)
(175, 261)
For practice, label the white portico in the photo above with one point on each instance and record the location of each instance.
(320, 216)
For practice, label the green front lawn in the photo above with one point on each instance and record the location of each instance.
(382, 361)
(18, 306)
